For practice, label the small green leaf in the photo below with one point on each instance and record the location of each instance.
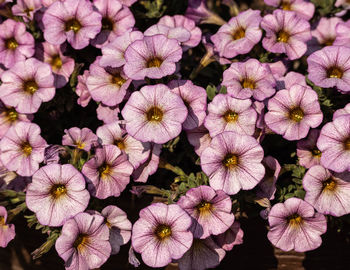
(211, 91)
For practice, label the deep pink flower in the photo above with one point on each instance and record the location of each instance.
(343, 34)
(334, 143)
(26, 9)
(22, 148)
(249, 79)
(7, 231)
(82, 90)
(71, 20)
(154, 114)
(233, 162)
(161, 234)
(303, 9)
(56, 194)
(286, 33)
(292, 112)
(154, 57)
(239, 35)
(26, 85)
(307, 151)
(230, 114)
(108, 172)
(16, 44)
(330, 67)
(83, 243)
(79, 138)
(294, 225)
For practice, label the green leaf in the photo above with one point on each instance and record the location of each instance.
(223, 90)
(300, 193)
(211, 91)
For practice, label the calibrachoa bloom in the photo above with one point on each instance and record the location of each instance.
(7, 231)
(161, 234)
(307, 151)
(286, 33)
(82, 90)
(56, 194)
(267, 186)
(195, 99)
(210, 211)
(71, 20)
(292, 112)
(107, 114)
(116, 20)
(334, 143)
(303, 9)
(107, 85)
(328, 193)
(230, 114)
(108, 172)
(153, 57)
(26, 85)
(290, 79)
(294, 225)
(16, 44)
(330, 67)
(79, 138)
(199, 138)
(83, 243)
(154, 114)
(249, 79)
(26, 9)
(343, 34)
(232, 237)
(179, 33)
(239, 35)
(119, 227)
(22, 148)
(233, 162)
(325, 32)
(344, 111)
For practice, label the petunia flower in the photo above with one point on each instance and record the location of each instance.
(226, 113)
(80, 138)
(108, 172)
(161, 234)
(195, 99)
(116, 20)
(82, 90)
(286, 33)
(127, 3)
(303, 9)
(267, 186)
(328, 192)
(198, 11)
(249, 79)
(330, 67)
(84, 242)
(325, 32)
(16, 44)
(239, 35)
(342, 34)
(233, 162)
(199, 138)
(154, 114)
(334, 143)
(107, 114)
(291, 78)
(210, 211)
(22, 148)
(26, 9)
(56, 194)
(179, 33)
(7, 231)
(119, 227)
(343, 111)
(153, 57)
(26, 85)
(71, 20)
(294, 225)
(293, 112)
(107, 85)
(307, 151)
(230, 238)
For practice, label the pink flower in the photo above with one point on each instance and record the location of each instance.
(199, 138)
(294, 225)
(7, 231)
(179, 33)
(154, 114)
(325, 32)
(342, 34)
(303, 9)
(344, 111)
(22, 148)
(79, 138)
(26, 85)
(56, 194)
(230, 238)
(107, 114)
(267, 186)
(286, 33)
(71, 20)
(161, 234)
(307, 151)
(82, 90)
(26, 9)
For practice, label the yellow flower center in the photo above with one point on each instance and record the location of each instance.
(328, 42)
(154, 62)
(162, 231)
(283, 36)
(104, 170)
(329, 184)
(286, 5)
(335, 72)
(12, 115)
(295, 220)
(58, 190)
(204, 207)
(56, 62)
(26, 149)
(2, 221)
(316, 153)
(79, 145)
(238, 34)
(120, 144)
(107, 24)
(30, 87)
(11, 44)
(248, 83)
(347, 144)
(230, 160)
(154, 114)
(230, 116)
(81, 241)
(118, 80)
(73, 25)
(296, 114)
